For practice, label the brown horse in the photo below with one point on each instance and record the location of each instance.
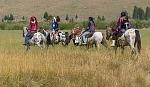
(75, 32)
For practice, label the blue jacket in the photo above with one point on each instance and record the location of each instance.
(54, 25)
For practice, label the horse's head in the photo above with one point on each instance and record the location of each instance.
(74, 32)
(109, 32)
(25, 31)
(127, 25)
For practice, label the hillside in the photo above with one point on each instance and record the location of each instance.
(110, 8)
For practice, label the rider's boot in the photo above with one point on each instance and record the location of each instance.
(84, 42)
(113, 43)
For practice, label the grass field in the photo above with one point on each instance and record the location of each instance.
(70, 66)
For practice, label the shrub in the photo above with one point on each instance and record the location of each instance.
(11, 26)
(101, 24)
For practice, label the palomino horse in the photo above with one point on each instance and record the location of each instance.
(131, 38)
(38, 39)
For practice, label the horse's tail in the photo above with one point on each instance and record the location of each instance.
(48, 39)
(138, 40)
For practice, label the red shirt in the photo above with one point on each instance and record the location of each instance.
(121, 21)
(33, 25)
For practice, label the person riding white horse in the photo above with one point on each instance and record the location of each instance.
(54, 28)
(121, 27)
(38, 39)
(90, 29)
(32, 29)
(46, 34)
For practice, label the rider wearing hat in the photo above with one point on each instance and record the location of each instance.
(120, 29)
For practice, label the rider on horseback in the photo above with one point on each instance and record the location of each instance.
(90, 29)
(32, 29)
(54, 26)
(120, 27)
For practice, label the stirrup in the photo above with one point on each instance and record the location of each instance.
(112, 45)
(84, 43)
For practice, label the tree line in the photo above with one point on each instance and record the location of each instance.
(141, 19)
(139, 13)
(8, 18)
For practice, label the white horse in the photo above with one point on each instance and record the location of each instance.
(97, 38)
(38, 39)
(131, 38)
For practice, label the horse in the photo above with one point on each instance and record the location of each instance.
(75, 36)
(62, 37)
(130, 38)
(96, 38)
(38, 39)
(25, 30)
(93, 38)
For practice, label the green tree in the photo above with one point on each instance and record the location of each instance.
(103, 18)
(141, 14)
(135, 13)
(11, 17)
(99, 18)
(2, 20)
(76, 17)
(147, 13)
(45, 16)
(50, 17)
(67, 17)
(6, 18)
(58, 18)
(23, 18)
(72, 20)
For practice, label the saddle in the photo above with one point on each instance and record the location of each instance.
(90, 34)
(121, 37)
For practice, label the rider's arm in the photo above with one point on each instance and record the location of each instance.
(118, 24)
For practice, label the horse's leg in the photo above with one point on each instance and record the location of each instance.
(104, 43)
(87, 45)
(122, 49)
(53, 41)
(115, 48)
(97, 43)
(44, 44)
(132, 45)
(39, 45)
(48, 40)
(28, 47)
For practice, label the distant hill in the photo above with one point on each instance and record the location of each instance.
(84, 8)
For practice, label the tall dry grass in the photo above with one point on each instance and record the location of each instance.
(70, 66)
